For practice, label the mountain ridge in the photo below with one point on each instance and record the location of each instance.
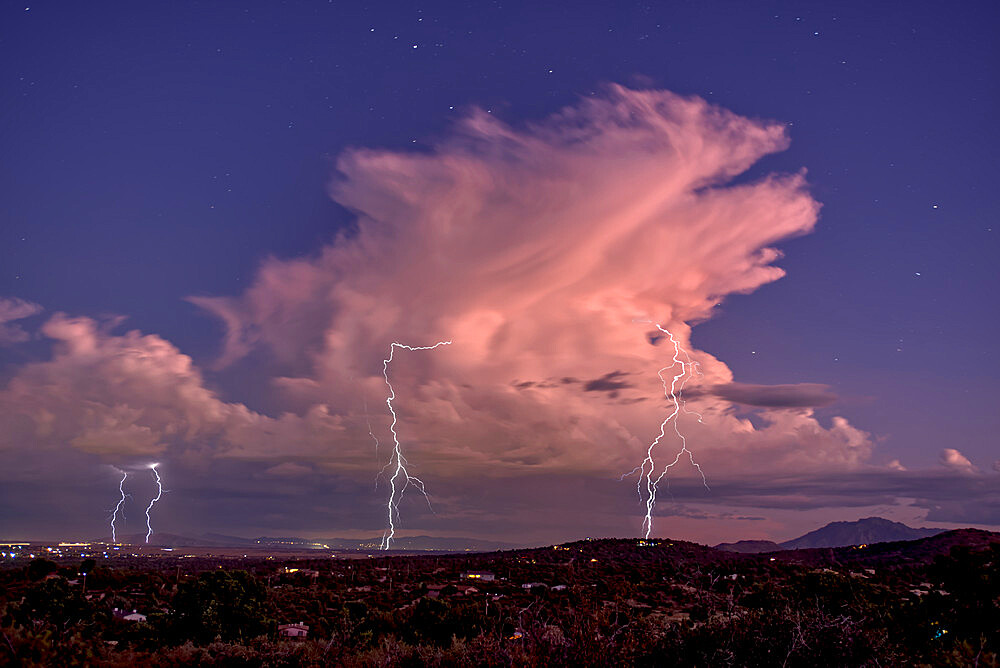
(865, 531)
(868, 530)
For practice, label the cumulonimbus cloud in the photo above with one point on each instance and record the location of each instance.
(535, 249)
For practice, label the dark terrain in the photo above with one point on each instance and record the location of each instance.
(931, 602)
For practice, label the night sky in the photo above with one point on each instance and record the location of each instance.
(216, 218)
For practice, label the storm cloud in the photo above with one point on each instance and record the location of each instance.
(534, 249)
(799, 395)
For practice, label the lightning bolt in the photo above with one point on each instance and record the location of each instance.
(114, 515)
(400, 479)
(683, 368)
(368, 421)
(159, 493)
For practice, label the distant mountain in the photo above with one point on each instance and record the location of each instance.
(174, 540)
(865, 531)
(228, 541)
(422, 543)
(412, 543)
(415, 543)
(749, 546)
(450, 544)
(878, 555)
(291, 542)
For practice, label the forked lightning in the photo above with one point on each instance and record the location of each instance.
(683, 368)
(118, 507)
(400, 479)
(159, 493)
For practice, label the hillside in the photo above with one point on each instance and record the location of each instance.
(585, 603)
(749, 546)
(892, 554)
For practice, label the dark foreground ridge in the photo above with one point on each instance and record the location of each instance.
(932, 601)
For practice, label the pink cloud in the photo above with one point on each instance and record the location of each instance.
(131, 396)
(534, 249)
(953, 459)
(122, 396)
(13, 309)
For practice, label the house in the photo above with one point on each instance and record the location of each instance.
(134, 616)
(485, 576)
(298, 631)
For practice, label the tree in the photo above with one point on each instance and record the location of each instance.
(226, 604)
(39, 568)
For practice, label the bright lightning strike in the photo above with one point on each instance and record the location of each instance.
(159, 493)
(114, 515)
(683, 368)
(400, 479)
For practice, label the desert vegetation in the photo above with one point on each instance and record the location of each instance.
(931, 602)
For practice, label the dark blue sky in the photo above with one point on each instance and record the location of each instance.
(155, 152)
